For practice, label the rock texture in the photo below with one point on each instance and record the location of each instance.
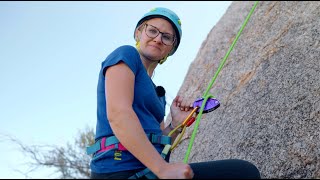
(269, 90)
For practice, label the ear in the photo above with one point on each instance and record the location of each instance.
(137, 35)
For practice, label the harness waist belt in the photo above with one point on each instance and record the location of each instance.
(111, 142)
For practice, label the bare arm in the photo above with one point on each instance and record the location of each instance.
(123, 120)
(126, 125)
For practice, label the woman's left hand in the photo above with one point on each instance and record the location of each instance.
(180, 109)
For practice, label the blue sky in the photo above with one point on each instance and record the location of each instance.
(50, 56)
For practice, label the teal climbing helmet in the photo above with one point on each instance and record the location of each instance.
(168, 15)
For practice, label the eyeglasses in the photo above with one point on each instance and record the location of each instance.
(166, 38)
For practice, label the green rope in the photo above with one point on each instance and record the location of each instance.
(206, 95)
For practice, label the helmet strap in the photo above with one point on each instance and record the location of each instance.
(163, 60)
(138, 45)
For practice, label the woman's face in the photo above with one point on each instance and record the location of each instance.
(156, 48)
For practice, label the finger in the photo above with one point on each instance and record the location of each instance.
(189, 173)
(176, 101)
(185, 104)
(190, 102)
(179, 101)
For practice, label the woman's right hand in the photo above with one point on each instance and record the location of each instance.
(176, 171)
(179, 109)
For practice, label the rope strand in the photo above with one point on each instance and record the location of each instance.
(206, 95)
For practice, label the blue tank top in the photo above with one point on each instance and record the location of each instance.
(149, 108)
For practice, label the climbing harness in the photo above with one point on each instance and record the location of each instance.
(206, 104)
(106, 144)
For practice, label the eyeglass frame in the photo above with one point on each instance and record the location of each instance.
(159, 32)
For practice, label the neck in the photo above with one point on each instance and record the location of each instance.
(150, 65)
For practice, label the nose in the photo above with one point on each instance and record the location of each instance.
(158, 38)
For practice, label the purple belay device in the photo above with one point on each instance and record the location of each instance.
(211, 104)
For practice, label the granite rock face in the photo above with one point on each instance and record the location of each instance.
(269, 90)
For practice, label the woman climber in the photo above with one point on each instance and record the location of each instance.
(130, 132)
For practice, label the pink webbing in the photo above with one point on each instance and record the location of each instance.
(112, 146)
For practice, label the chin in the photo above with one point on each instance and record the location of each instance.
(153, 58)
